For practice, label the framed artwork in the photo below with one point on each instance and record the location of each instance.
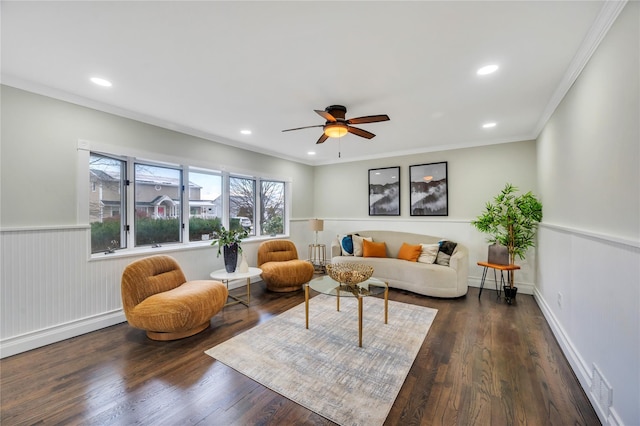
(429, 189)
(384, 192)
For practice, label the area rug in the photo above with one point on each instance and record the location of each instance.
(322, 368)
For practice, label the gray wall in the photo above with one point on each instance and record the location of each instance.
(589, 250)
(475, 175)
(39, 141)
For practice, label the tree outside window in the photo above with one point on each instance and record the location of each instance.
(271, 207)
(242, 202)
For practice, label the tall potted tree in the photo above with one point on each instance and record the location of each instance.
(229, 242)
(512, 221)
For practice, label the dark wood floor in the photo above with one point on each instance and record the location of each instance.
(482, 363)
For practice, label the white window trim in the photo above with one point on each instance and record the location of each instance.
(131, 156)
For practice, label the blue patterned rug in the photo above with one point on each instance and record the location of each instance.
(322, 368)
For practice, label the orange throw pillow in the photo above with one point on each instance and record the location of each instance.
(371, 249)
(409, 252)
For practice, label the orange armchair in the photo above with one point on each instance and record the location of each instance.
(282, 271)
(156, 297)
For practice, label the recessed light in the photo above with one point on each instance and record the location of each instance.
(311, 153)
(487, 69)
(101, 82)
(245, 132)
(488, 125)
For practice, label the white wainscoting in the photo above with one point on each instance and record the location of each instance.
(48, 285)
(51, 290)
(596, 318)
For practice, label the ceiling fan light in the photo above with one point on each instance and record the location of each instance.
(335, 130)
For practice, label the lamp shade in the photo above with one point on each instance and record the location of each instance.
(316, 224)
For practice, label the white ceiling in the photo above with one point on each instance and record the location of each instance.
(212, 69)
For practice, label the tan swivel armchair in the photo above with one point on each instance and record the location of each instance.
(282, 271)
(156, 297)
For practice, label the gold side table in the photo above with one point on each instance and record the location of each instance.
(318, 256)
(225, 277)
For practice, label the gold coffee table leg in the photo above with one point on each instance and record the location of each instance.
(360, 321)
(306, 303)
(248, 290)
(386, 303)
(338, 299)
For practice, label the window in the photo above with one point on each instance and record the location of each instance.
(134, 203)
(158, 201)
(205, 204)
(242, 203)
(271, 207)
(107, 177)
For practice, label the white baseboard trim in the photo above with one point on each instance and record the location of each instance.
(36, 339)
(489, 284)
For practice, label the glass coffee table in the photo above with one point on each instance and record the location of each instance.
(327, 285)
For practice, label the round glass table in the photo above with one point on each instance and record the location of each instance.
(327, 285)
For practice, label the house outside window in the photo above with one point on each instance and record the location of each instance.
(107, 178)
(158, 201)
(205, 204)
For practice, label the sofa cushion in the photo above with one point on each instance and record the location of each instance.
(445, 252)
(374, 249)
(410, 252)
(346, 244)
(357, 244)
(429, 253)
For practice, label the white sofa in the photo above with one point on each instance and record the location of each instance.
(422, 278)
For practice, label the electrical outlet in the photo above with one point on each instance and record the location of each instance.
(560, 299)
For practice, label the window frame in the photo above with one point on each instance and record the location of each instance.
(131, 157)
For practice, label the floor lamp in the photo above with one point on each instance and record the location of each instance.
(317, 252)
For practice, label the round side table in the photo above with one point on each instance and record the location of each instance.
(225, 277)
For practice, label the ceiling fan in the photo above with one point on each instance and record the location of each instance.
(337, 125)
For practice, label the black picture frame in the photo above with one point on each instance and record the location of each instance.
(384, 191)
(429, 189)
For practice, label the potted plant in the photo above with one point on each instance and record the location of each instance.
(511, 220)
(229, 242)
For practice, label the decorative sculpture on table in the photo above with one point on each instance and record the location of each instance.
(349, 275)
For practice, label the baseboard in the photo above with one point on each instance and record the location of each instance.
(36, 339)
(523, 288)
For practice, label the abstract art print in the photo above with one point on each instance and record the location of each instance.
(429, 192)
(384, 192)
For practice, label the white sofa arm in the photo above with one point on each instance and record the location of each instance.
(336, 250)
(460, 262)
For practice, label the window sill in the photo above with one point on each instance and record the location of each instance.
(174, 247)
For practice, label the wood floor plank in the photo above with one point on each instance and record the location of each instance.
(482, 362)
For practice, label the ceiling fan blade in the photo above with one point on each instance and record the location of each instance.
(325, 115)
(322, 138)
(360, 132)
(300, 128)
(368, 119)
